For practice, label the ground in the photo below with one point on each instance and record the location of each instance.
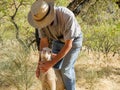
(94, 71)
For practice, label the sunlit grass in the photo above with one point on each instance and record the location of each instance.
(17, 69)
(95, 73)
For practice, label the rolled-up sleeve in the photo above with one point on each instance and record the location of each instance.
(69, 32)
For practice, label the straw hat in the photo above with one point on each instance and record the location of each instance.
(41, 13)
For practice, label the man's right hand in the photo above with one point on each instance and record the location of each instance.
(53, 55)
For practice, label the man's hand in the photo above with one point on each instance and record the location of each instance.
(53, 55)
(44, 66)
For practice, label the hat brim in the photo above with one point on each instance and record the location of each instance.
(46, 21)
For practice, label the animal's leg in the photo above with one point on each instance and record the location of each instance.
(51, 77)
(59, 80)
(44, 83)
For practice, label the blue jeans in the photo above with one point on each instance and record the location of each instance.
(66, 65)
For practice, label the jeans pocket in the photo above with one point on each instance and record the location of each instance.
(78, 41)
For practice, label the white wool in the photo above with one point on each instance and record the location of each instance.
(46, 53)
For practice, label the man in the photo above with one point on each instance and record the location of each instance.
(59, 25)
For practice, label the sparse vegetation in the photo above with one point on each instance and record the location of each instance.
(98, 66)
(15, 66)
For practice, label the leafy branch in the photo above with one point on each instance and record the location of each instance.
(16, 25)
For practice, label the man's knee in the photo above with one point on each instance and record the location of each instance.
(66, 73)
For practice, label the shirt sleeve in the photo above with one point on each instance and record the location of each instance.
(69, 32)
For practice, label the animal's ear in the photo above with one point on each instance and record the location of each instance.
(47, 49)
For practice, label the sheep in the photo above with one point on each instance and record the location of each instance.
(50, 80)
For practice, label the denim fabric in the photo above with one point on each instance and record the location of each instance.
(66, 65)
(56, 47)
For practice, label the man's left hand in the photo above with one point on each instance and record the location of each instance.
(44, 66)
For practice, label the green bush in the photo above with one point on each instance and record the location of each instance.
(104, 38)
(15, 66)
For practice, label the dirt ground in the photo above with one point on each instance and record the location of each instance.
(96, 72)
(93, 72)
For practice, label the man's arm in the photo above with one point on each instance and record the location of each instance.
(43, 43)
(45, 66)
(66, 48)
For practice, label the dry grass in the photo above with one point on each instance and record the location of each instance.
(93, 72)
(96, 72)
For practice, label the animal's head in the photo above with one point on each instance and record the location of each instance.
(46, 54)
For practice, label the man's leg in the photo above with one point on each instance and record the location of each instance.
(67, 70)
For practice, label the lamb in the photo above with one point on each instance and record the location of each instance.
(51, 80)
